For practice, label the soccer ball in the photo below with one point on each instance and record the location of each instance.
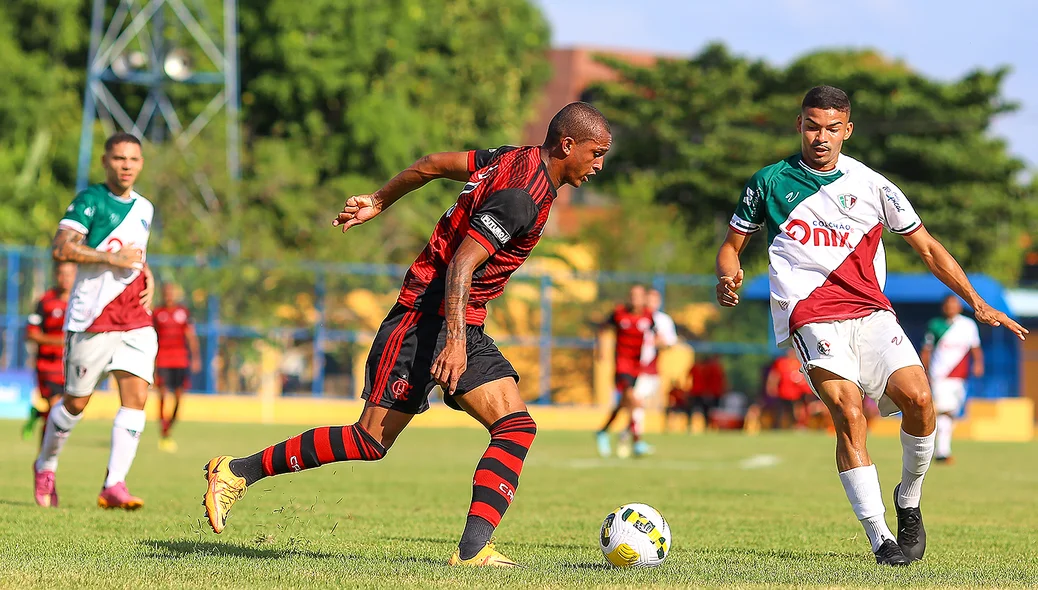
(635, 535)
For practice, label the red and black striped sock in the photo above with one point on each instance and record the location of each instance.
(313, 448)
(497, 477)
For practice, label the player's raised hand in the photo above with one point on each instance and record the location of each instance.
(357, 210)
(993, 317)
(128, 257)
(727, 288)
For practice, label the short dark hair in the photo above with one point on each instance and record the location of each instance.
(826, 98)
(949, 297)
(578, 120)
(120, 137)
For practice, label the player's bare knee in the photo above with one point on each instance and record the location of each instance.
(75, 405)
(847, 413)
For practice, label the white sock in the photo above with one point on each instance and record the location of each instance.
(55, 433)
(862, 487)
(126, 435)
(637, 421)
(916, 453)
(945, 426)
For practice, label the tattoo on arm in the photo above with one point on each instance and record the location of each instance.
(459, 282)
(68, 246)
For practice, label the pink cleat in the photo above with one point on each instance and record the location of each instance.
(117, 496)
(43, 488)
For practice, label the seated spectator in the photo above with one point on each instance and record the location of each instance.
(707, 384)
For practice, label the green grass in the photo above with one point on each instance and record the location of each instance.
(738, 521)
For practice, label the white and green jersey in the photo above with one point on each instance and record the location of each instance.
(106, 298)
(826, 260)
(951, 342)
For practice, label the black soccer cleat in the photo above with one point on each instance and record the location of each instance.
(911, 534)
(890, 554)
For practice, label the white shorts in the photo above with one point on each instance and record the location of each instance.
(864, 350)
(948, 395)
(646, 386)
(91, 356)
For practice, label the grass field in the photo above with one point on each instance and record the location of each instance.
(765, 511)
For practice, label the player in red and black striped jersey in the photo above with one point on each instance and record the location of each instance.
(47, 329)
(631, 321)
(434, 333)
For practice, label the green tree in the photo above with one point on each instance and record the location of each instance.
(692, 131)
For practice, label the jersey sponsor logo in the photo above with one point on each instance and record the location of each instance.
(893, 198)
(495, 228)
(792, 196)
(847, 201)
(112, 245)
(401, 389)
(824, 348)
(827, 235)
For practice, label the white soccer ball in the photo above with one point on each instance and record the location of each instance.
(635, 535)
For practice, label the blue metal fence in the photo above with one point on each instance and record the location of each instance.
(26, 273)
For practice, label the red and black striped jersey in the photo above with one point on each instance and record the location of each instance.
(504, 207)
(631, 327)
(49, 319)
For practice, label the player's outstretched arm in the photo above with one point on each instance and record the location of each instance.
(450, 365)
(69, 246)
(944, 266)
(361, 208)
(729, 268)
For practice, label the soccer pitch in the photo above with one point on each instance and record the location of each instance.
(763, 511)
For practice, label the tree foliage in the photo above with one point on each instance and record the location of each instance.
(690, 132)
(337, 96)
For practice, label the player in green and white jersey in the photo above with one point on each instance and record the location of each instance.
(824, 214)
(105, 232)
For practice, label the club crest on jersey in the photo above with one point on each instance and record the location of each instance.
(847, 201)
(824, 348)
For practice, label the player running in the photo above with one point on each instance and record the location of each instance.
(632, 321)
(105, 231)
(47, 329)
(825, 213)
(662, 336)
(434, 334)
(178, 351)
(951, 341)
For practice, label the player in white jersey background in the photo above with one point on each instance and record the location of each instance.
(105, 232)
(824, 214)
(951, 342)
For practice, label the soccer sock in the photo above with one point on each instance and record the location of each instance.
(862, 487)
(637, 423)
(55, 433)
(916, 453)
(313, 448)
(945, 426)
(496, 478)
(162, 414)
(126, 435)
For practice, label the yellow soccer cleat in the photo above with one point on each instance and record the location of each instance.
(487, 557)
(225, 488)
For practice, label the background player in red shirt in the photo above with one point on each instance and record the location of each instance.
(47, 329)
(434, 334)
(632, 321)
(178, 350)
(787, 385)
(707, 385)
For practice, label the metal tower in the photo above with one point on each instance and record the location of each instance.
(136, 47)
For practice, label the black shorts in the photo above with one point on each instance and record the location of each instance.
(178, 378)
(397, 375)
(625, 381)
(50, 385)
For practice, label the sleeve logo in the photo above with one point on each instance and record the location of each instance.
(893, 198)
(495, 228)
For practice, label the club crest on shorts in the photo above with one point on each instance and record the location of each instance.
(81, 371)
(401, 389)
(824, 348)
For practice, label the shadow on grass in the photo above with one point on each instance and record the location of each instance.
(186, 548)
(178, 549)
(783, 554)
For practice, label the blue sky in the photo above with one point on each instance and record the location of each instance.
(945, 43)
